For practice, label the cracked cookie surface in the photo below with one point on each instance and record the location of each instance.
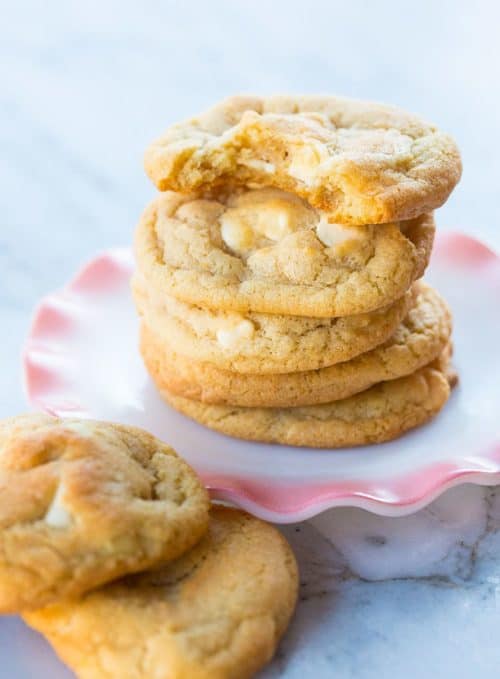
(419, 339)
(218, 612)
(363, 162)
(84, 502)
(265, 343)
(268, 251)
(381, 413)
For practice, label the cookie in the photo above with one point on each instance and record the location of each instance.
(218, 612)
(267, 251)
(84, 502)
(420, 338)
(265, 343)
(363, 162)
(443, 362)
(382, 413)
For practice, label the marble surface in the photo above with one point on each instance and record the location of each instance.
(83, 87)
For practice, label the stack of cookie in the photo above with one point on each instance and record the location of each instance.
(278, 271)
(85, 508)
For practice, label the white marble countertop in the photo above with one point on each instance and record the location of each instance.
(83, 88)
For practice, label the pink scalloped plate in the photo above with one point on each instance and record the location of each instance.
(81, 359)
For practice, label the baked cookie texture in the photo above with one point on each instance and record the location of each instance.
(278, 270)
(84, 502)
(420, 338)
(218, 612)
(382, 413)
(362, 162)
(265, 343)
(268, 251)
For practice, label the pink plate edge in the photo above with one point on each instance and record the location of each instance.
(278, 502)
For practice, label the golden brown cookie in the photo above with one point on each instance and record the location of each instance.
(267, 251)
(381, 413)
(419, 339)
(363, 162)
(84, 502)
(218, 612)
(265, 343)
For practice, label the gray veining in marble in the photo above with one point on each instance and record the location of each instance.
(83, 87)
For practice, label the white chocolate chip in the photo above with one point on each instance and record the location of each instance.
(235, 233)
(230, 337)
(304, 162)
(261, 165)
(57, 515)
(240, 226)
(333, 235)
(273, 223)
